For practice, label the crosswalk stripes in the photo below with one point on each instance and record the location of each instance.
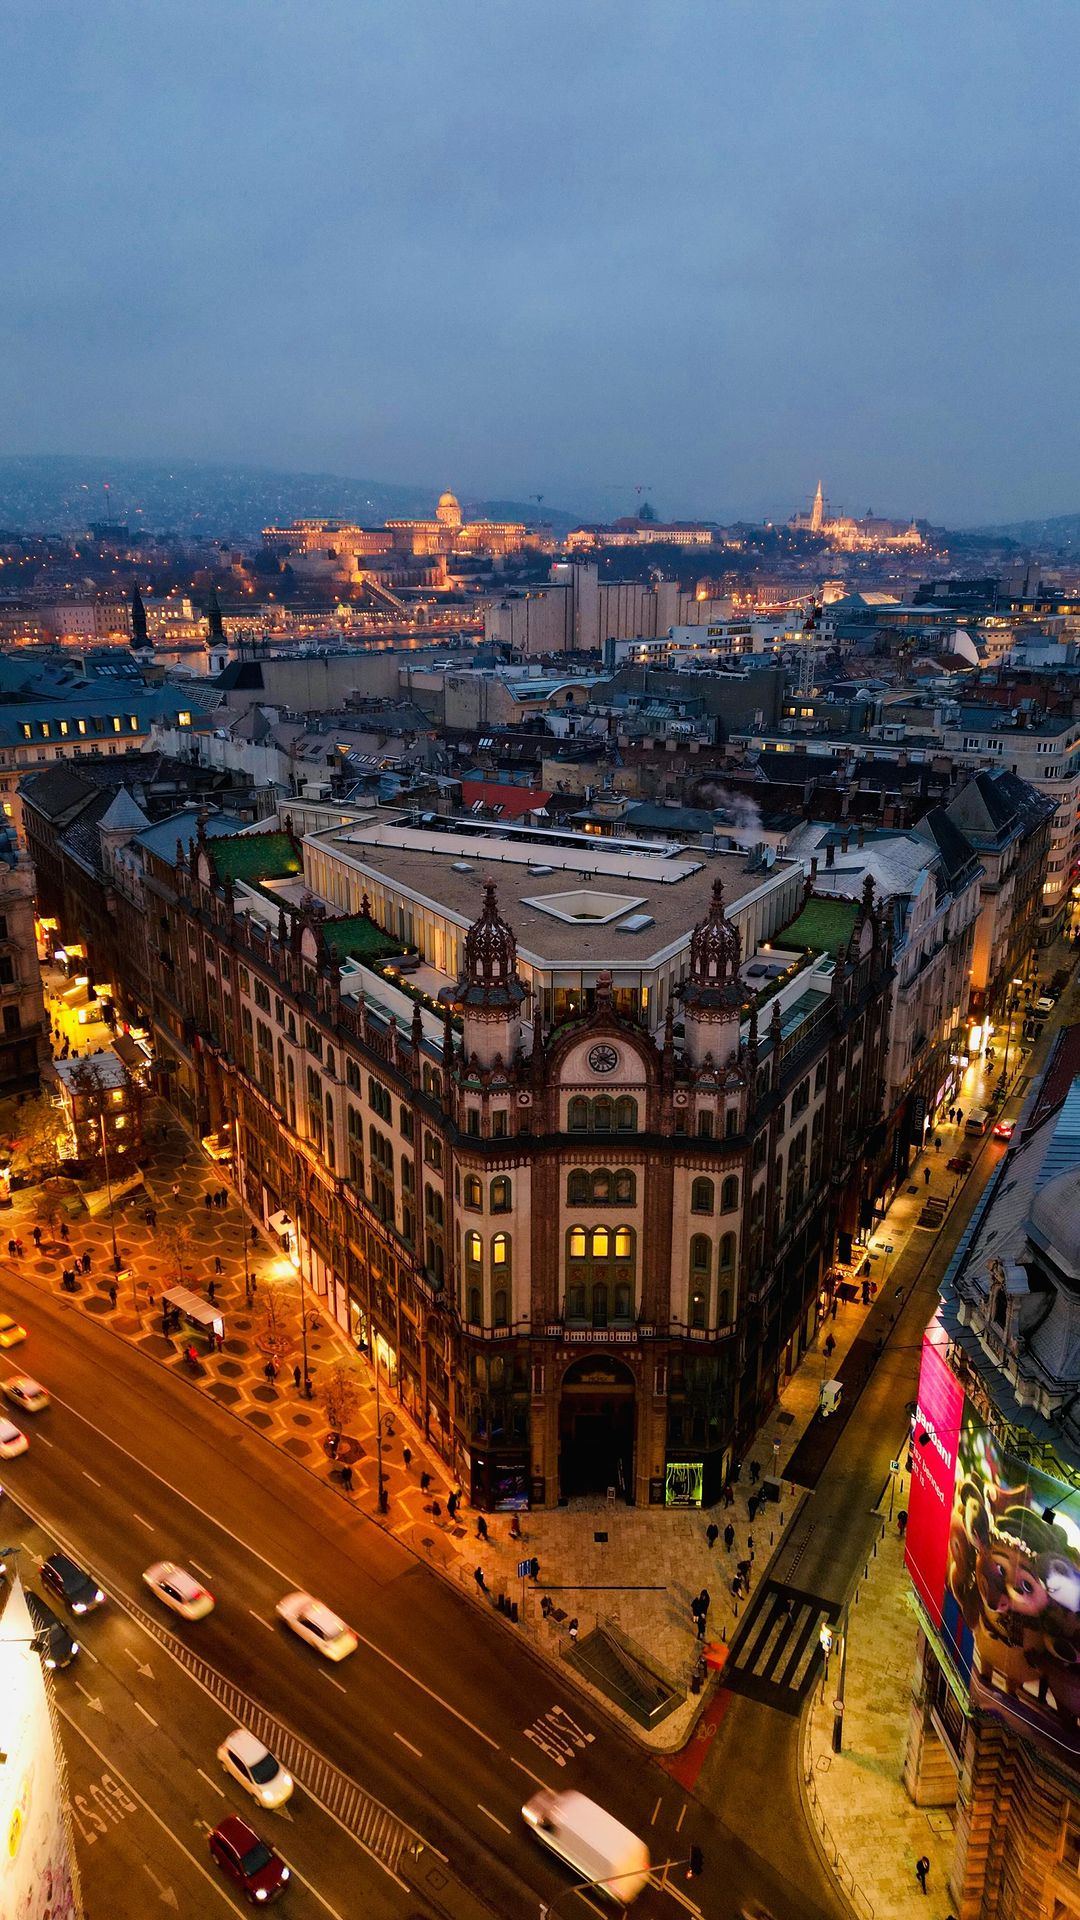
(776, 1654)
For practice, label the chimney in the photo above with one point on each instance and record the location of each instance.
(813, 868)
(830, 854)
(862, 834)
(844, 841)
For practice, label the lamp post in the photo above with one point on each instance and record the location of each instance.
(383, 1501)
(240, 1198)
(693, 1862)
(300, 1276)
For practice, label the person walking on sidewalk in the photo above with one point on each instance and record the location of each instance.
(346, 1477)
(755, 1473)
(922, 1870)
(712, 1534)
(481, 1527)
(478, 1576)
(729, 1536)
(218, 1268)
(406, 1455)
(926, 1175)
(425, 1481)
(112, 1293)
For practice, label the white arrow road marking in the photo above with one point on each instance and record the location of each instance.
(147, 1672)
(90, 1698)
(164, 1893)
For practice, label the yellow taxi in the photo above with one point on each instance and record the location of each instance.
(10, 1331)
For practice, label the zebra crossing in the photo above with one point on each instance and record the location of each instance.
(776, 1654)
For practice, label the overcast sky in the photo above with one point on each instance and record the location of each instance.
(563, 247)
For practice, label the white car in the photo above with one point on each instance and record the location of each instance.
(245, 1757)
(179, 1590)
(12, 1439)
(317, 1625)
(26, 1394)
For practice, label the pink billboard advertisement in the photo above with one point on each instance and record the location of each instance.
(934, 1448)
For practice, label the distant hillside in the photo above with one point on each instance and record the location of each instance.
(1063, 530)
(61, 493)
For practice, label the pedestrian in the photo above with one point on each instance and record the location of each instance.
(112, 1293)
(901, 1522)
(959, 1116)
(218, 1268)
(207, 1202)
(481, 1527)
(695, 1608)
(332, 1443)
(700, 1624)
(832, 1309)
(308, 1387)
(729, 1537)
(926, 1175)
(729, 1495)
(547, 1606)
(704, 1600)
(166, 1323)
(36, 1236)
(750, 1545)
(755, 1473)
(211, 1291)
(866, 1293)
(572, 1630)
(406, 1455)
(224, 1198)
(346, 1478)
(452, 1506)
(712, 1534)
(829, 1346)
(922, 1871)
(296, 1377)
(425, 1481)
(268, 1370)
(11, 1249)
(937, 1143)
(86, 1263)
(478, 1576)
(63, 1230)
(176, 1189)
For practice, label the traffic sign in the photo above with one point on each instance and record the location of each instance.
(524, 1569)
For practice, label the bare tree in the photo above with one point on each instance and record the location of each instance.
(176, 1238)
(35, 1149)
(271, 1331)
(339, 1391)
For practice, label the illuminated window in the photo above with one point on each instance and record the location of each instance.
(183, 719)
(624, 1242)
(577, 1243)
(474, 1250)
(474, 1192)
(64, 728)
(500, 1250)
(81, 724)
(133, 722)
(46, 730)
(27, 730)
(116, 723)
(601, 1242)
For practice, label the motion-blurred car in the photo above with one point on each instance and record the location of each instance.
(58, 1648)
(179, 1589)
(1044, 1004)
(1003, 1129)
(26, 1394)
(960, 1163)
(78, 1589)
(12, 1439)
(245, 1757)
(316, 1624)
(10, 1331)
(257, 1870)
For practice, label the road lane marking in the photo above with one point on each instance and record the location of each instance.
(407, 1743)
(655, 1811)
(218, 1788)
(529, 1771)
(333, 1682)
(41, 1441)
(91, 1699)
(147, 1808)
(430, 1691)
(139, 1708)
(143, 1523)
(681, 1818)
(490, 1816)
(202, 1570)
(90, 1477)
(268, 1624)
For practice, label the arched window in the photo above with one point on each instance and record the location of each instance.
(500, 1250)
(625, 1186)
(600, 1304)
(500, 1194)
(603, 1113)
(499, 1307)
(729, 1194)
(626, 1114)
(624, 1243)
(474, 1192)
(699, 1304)
(575, 1303)
(475, 1314)
(727, 1252)
(702, 1195)
(700, 1255)
(474, 1249)
(577, 1187)
(577, 1118)
(601, 1185)
(624, 1302)
(578, 1245)
(601, 1242)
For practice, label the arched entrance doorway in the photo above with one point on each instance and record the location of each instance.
(596, 1428)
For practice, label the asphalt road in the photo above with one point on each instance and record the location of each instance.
(441, 1715)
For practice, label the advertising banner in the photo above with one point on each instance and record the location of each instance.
(934, 1446)
(37, 1876)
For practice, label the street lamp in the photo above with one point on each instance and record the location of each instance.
(300, 1277)
(383, 1501)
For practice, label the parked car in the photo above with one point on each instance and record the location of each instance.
(78, 1589)
(26, 1394)
(316, 1624)
(178, 1589)
(960, 1163)
(1044, 1004)
(257, 1870)
(10, 1331)
(245, 1757)
(59, 1649)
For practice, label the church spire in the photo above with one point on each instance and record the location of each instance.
(489, 992)
(817, 511)
(215, 627)
(139, 636)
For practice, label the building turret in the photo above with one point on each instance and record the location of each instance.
(139, 634)
(215, 629)
(489, 993)
(712, 996)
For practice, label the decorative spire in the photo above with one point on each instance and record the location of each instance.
(139, 635)
(215, 628)
(715, 952)
(489, 979)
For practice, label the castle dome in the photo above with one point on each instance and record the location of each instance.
(715, 952)
(448, 511)
(489, 978)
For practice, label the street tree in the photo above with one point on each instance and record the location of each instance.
(339, 1391)
(271, 1329)
(35, 1153)
(176, 1238)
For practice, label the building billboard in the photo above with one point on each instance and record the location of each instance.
(934, 1448)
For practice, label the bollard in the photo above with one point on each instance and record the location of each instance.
(514, 1611)
(781, 1516)
(770, 1537)
(695, 1683)
(500, 1603)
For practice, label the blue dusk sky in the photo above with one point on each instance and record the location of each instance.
(568, 247)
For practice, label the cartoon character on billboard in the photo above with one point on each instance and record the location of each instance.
(1014, 1572)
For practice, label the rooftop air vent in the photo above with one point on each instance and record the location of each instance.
(462, 866)
(541, 870)
(636, 923)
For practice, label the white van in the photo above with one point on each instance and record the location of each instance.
(977, 1121)
(599, 1849)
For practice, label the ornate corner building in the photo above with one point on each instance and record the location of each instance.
(585, 1249)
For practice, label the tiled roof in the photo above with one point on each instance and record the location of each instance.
(824, 926)
(256, 856)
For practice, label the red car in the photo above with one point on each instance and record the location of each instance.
(1003, 1129)
(255, 1867)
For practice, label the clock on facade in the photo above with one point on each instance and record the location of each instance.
(603, 1059)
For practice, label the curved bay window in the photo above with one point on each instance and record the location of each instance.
(600, 1187)
(501, 1194)
(700, 1276)
(729, 1194)
(702, 1196)
(601, 1275)
(473, 1192)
